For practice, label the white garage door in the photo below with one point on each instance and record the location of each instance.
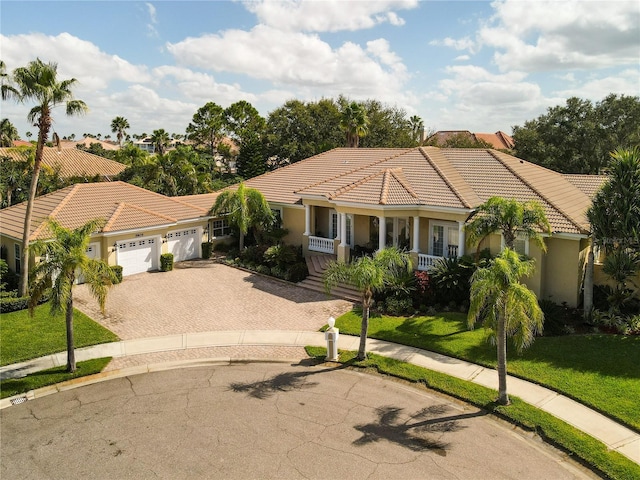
(184, 244)
(138, 255)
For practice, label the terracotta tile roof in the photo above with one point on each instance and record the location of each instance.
(72, 162)
(87, 141)
(123, 207)
(498, 140)
(203, 200)
(427, 176)
(589, 184)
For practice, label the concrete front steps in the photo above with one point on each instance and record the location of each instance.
(317, 264)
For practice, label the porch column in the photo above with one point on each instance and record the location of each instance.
(416, 235)
(343, 228)
(461, 239)
(382, 232)
(307, 220)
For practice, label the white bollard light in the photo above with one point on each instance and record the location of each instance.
(331, 335)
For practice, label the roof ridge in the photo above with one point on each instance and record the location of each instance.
(352, 185)
(497, 155)
(53, 213)
(113, 217)
(349, 172)
(442, 175)
(384, 191)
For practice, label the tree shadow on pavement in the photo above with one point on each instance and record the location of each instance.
(419, 432)
(282, 382)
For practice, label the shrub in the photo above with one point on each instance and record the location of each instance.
(207, 249)
(221, 247)
(166, 262)
(281, 255)
(117, 270)
(451, 279)
(397, 306)
(13, 304)
(423, 293)
(297, 272)
(277, 272)
(253, 254)
(263, 269)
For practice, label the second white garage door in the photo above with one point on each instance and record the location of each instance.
(184, 244)
(138, 255)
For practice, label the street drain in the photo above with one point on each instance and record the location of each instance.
(18, 401)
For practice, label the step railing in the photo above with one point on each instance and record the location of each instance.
(427, 262)
(320, 244)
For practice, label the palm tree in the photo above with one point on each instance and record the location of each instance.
(614, 215)
(14, 174)
(417, 128)
(506, 307)
(118, 126)
(511, 218)
(38, 81)
(368, 275)
(8, 133)
(355, 123)
(160, 139)
(63, 259)
(243, 208)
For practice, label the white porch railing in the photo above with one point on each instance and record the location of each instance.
(320, 244)
(426, 262)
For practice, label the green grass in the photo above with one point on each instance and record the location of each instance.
(580, 445)
(601, 371)
(15, 386)
(23, 337)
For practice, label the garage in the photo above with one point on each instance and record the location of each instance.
(184, 244)
(137, 255)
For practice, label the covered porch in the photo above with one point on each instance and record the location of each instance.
(428, 237)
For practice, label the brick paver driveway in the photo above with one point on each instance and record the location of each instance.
(201, 296)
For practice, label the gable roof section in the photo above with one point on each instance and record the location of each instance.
(123, 207)
(72, 162)
(202, 200)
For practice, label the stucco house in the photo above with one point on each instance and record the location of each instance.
(340, 203)
(346, 200)
(139, 225)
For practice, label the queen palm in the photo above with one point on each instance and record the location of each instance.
(511, 218)
(368, 275)
(38, 82)
(63, 259)
(119, 126)
(506, 307)
(243, 208)
(355, 123)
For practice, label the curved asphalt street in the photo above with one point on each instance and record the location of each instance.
(265, 420)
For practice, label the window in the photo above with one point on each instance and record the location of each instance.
(221, 228)
(521, 245)
(16, 250)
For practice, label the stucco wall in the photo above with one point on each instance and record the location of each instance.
(293, 220)
(562, 276)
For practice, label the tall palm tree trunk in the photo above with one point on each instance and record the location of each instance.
(588, 283)
(71, 354)
(44, 127)
(501, 342)
(364, 330)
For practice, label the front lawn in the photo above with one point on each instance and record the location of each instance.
(601, 371)
(23, 337)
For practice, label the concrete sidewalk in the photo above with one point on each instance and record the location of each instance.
(612, 434)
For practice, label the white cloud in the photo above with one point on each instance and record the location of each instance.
(295, 59)
(462, 58)
(460, 44)
(328, 15)
(76, 58)
(153, 20)
(625, 82)
(535, 36)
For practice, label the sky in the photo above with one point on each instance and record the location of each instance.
(459, 65)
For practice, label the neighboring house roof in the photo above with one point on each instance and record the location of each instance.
(203, 200)
(498, 140)
(589, 184)
(21, 143)
(73, 162)
(123, 207)
(87, 141)
(426, 176)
